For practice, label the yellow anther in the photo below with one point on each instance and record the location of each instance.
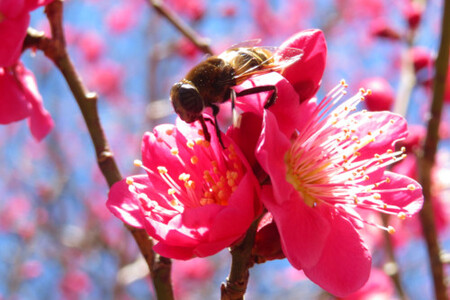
(366, 177)
(129, 180)
(174, 151)
(377, 196)
(169, 131)
(403, 149)
(190, 144)
(190, 184)
(194, 160)
(392, 121)
(388, 179)
(391, 230)
(171, 191)
(162, 170)
(389, 151)
(174, 202)
(401, 215)
(231, 182)
(411, 187)
(137, 163)
(220, 185)
(184, 177)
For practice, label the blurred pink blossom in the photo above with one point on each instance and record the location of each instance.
(382, 95)
(14, 20)
(20, 99)
(74, 284)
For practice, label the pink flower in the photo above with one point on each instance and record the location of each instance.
(306, 74)
(196, 198)
(379, 286)
(20, 99)
(382, 95)
(334, 167)
(14, 20)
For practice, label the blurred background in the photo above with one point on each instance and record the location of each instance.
(57, 238)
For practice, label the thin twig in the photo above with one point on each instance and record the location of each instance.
(391, 266)
(55, 49)
(427, 157)
(236, 285)
(201, 43)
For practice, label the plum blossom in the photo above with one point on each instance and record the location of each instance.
(382, 94)
(14, 20)
(196, 198)
(322, 176)
(305, 75)
(20, 99)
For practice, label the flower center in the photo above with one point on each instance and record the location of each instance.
(208, 178)
(324, 162)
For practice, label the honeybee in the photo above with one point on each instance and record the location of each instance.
(210, 82)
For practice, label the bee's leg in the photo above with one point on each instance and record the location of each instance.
(235, 117)
(260, 89)
(205, 129)
(215, 110)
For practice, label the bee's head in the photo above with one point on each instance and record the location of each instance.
(186, 101)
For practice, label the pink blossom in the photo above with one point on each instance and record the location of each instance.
(196, 198)
(379, 286)
(20, 99)
(14, 20)
(306, 74)
(422, 58)
(267, 244)
(334, 167)
(381, 28)
(75, 284)
(123, 17)
(413, 14)
(382, 95)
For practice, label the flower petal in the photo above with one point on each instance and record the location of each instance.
(306, 74)
(123, 203)
(271, 150)
(40, 122)
(285, 103)
(345, 261)
(12, 33)
(13, 104)
(303, 230)
(409, 201)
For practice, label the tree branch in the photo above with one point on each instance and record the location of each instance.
(236, 285)
(427, 157)
(201, 43)
(55, 49)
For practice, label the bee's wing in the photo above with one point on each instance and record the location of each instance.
(245, 44)
(281, 60)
